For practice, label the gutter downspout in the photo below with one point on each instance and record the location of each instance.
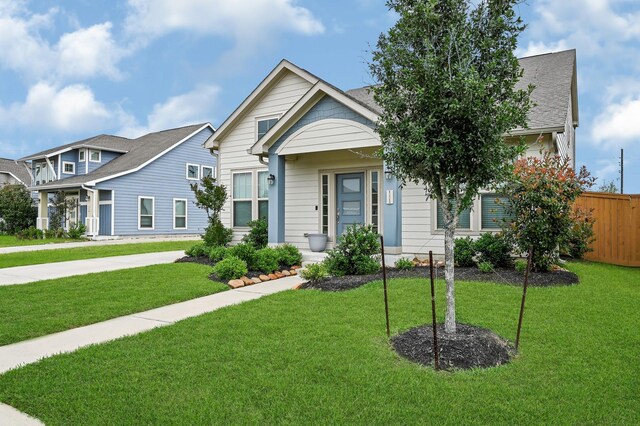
(261, 160)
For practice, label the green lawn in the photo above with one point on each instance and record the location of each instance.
(89, 252)
(306, 357)
(45, 307)
(11, 241)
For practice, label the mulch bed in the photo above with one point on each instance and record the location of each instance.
(469, 347)
(203, 260)
(500, 276)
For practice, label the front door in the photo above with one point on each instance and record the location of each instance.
(349, 200)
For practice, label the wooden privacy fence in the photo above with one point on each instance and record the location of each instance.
(616, 227)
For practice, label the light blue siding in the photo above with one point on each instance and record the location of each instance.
(106, 156)
(164, 179)
(71, 157)
(105, 219)
(83, 214)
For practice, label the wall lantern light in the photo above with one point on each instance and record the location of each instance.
(388, 174)
(271, 179)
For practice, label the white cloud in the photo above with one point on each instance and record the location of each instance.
(618, 124)
(68, 109)
(248, 22)
(189, 108)
(84, 53)
(537, 48)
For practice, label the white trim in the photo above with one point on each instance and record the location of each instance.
(233, 199)
(71, 148)
(82, 158)
(15, 177)
(59, 166)
(186, 171)
(126, 172)
(55, 177)
(113, 212)
(257, 120)
(153, 213)
(186, 214)
(213, 171)
(64, 164)
(91, 150)
(471, 230)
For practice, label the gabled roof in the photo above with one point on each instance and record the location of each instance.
(141, 151)
(105, 142)
(17, 169)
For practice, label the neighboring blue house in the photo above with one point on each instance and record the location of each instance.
(128, 186)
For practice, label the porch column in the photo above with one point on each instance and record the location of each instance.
(392, 215)
(43, 211)
(276, 199)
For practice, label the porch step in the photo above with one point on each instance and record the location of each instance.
(309, 257)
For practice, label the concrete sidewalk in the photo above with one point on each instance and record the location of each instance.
(22, 353)
(46, 271)
(93, 243)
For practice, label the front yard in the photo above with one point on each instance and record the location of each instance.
(311, 357)
(45, 307)
(11, 241)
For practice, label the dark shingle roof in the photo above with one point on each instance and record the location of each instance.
(17, 168)
(106, 142)
(552, 75)
(140, 151)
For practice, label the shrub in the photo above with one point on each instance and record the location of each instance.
(288, 255)
(198, 249)
(577, 242)
(76, 231)
(266, 260)
(541, 196)
(485, 267)
(404, 264)
(230, 268)
(258, 235)
(218, 253)
(245, 252)
(17, 209)
(521, 266)
(30, 233)
(314, 272)
(353, 253)
(216, 235)
(54, 233)
(493, 248)
(464, 251)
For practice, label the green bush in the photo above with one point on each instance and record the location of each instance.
(314, 272)
(521, 266)
(218, 253)
(54, 233)
(494, 248)
(216, 235)
(76, 231)
(197, 250)
(485, 267)
(578, 240)
(404, 264)
(353, 253)
(17, 209)
(230, 268)
(258, 235)
(246, 252)
(464, 251)
(288, 255)
(266, 260)
(30, 233)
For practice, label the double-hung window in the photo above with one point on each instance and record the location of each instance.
(464, 218)
(179, 213)
(146, 210)
(250, 195)
(493, 211)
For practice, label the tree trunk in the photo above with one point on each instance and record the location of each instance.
(450, 316)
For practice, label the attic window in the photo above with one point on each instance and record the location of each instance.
(81, 155)
(95, 155)
(265, 125)
(68, 168)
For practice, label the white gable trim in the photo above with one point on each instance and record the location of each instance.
(312, 97)
(289, 147)
(15, 177)
(270, 80)
(180, 142)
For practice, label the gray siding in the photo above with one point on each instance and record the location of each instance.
(164, 179)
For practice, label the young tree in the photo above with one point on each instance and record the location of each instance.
(17, 209)
(447, 74)
(211, 197)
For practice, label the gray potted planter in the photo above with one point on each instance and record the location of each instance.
(317, 242)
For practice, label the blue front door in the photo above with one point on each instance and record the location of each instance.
(349, 200)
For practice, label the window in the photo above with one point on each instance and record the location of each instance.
(263, 195)
(375, 212)
(81, 155)
(68, 168)
(242, 198)
(95, 155)
(193, 171)
(250, 197)
(464, 219)
(145, 212)
(492, 211)
(265, 125)
(179, 213)
(207, 172)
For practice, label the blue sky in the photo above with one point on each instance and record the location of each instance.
(79, 68)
